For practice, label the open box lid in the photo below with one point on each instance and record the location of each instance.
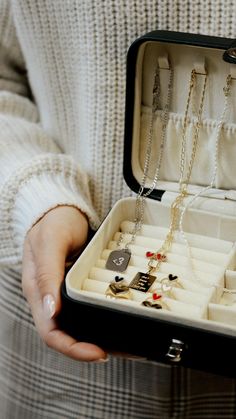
(184, 52)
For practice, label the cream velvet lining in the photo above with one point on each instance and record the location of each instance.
(200, 297)
(183, 59)
(203, 167)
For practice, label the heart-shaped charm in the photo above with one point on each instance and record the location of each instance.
(118, 260)
(161, 257)
(118, 278)
(149, 254)
(150, 304)
(156, 296)
(172, 277)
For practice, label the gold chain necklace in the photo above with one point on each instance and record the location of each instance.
(143, 281)
(227, 92)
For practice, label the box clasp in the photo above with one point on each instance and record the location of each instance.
(230, 54)
(175, 350)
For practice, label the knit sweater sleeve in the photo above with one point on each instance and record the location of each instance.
(35, 175)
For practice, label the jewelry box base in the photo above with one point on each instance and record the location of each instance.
(150, 338)
(206, 344)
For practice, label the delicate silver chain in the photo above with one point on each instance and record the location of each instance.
(140, 199)
(226, 91)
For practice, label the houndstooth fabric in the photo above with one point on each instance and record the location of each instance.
(73, 54)
(38, 383)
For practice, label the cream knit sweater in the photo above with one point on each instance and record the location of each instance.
(62, 93)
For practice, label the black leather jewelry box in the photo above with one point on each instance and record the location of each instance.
(198, 328)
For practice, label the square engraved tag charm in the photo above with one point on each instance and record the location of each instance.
(118, 260)
(142, 281)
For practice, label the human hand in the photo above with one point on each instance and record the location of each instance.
(59, 233)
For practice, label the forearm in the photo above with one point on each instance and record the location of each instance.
(35, 175)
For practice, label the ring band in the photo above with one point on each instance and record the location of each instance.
(116, 290)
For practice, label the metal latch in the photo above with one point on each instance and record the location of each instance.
(230, 54)
(175, 350)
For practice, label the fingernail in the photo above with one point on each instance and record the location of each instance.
(101, 361)
(49, 306)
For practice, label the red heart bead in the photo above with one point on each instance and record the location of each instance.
(156, 296)
(160, 256)
(149, 254)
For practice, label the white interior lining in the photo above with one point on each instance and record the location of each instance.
(204, 164)
(186, 301)
(183, 59)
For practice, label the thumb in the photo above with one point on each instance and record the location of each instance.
(60, 233)
(49, 271)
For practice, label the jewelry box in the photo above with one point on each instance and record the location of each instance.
(177, 303)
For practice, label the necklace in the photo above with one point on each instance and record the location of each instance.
(118, 260)
(143, 280)
(227, 92)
